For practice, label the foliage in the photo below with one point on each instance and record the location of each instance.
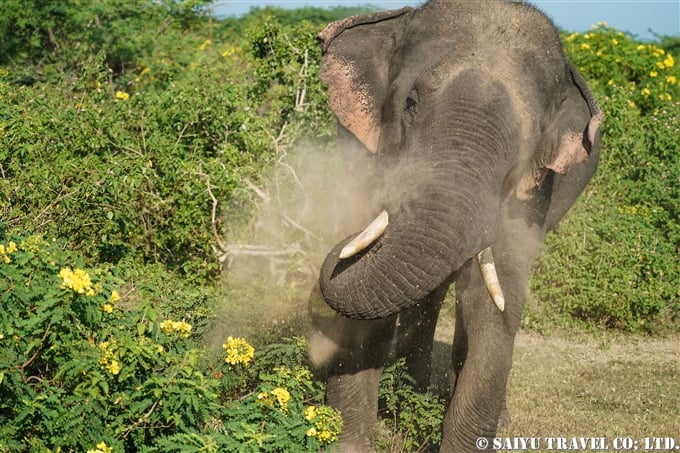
(127, 126)
(50, 38)
(410, 421)
(292, 17)
(647, 71)
(615, 261)
(130, 167)
(85, 366)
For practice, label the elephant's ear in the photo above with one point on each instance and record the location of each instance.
(355, 67)
(578, 125)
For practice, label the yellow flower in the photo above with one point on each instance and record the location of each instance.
(671, 79)
(122, 95)
(610, 82)
(205, 44)
(585, 46)
(282, 397)
(326, 436)
(182, 328)
(631, 103)
(658, 51)
(640, 47)
(101, 448)
(142, 74)
(239, 351)
(326, 423)
(114, 367)
(78, 280)
(660, 64)
(229, 52)
(263, 396)
(615, 41)
(653, 74)
(166, 326)
(669, 61)
(6, 251)
(109, 360)
(665, 97)
(310, 413)
(115, 297)
(645, 92)
(108, 308)
(572, 36)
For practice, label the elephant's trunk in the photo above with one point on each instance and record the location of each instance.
(411, 258)
(452, 182)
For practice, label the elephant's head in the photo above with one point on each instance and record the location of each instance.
(468, 106)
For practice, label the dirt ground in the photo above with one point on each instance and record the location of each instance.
(623, 388)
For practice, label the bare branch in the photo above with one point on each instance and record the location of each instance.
(259, 192)
(292, 223)
(276, 140)
(213, 219)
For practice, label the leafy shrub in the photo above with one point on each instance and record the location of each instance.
(49, 40)
(614, 261)
(611, 58)
(410, 421)
(84, 366)
(132, 167)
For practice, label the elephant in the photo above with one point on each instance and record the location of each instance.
(481, 135)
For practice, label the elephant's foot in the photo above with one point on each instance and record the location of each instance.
(355, 395)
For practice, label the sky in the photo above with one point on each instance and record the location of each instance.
(634, 16)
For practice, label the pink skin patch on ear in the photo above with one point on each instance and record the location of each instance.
(594, 125)
(570, 152)
(350, 101)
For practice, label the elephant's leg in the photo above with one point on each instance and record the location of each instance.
(484, 338)
(459, 353)
(415, 336)
(354, 376)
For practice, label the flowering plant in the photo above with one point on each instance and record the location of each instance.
(86, 368)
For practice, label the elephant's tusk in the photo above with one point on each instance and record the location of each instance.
(372, 232)
(493, 285)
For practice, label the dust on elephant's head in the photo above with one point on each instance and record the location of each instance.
(469, 105)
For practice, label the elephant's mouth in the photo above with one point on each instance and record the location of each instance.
(378, 226)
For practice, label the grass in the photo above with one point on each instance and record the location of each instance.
(578, 385)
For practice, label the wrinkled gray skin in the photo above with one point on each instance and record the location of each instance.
(482, 134)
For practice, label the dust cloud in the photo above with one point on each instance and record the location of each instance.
(313, 197)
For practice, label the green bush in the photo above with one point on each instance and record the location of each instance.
(410, 421)
(47, 40)
(83, 363)
(614, 261)
(132, 167)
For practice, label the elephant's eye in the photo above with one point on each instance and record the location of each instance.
(412, 103)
